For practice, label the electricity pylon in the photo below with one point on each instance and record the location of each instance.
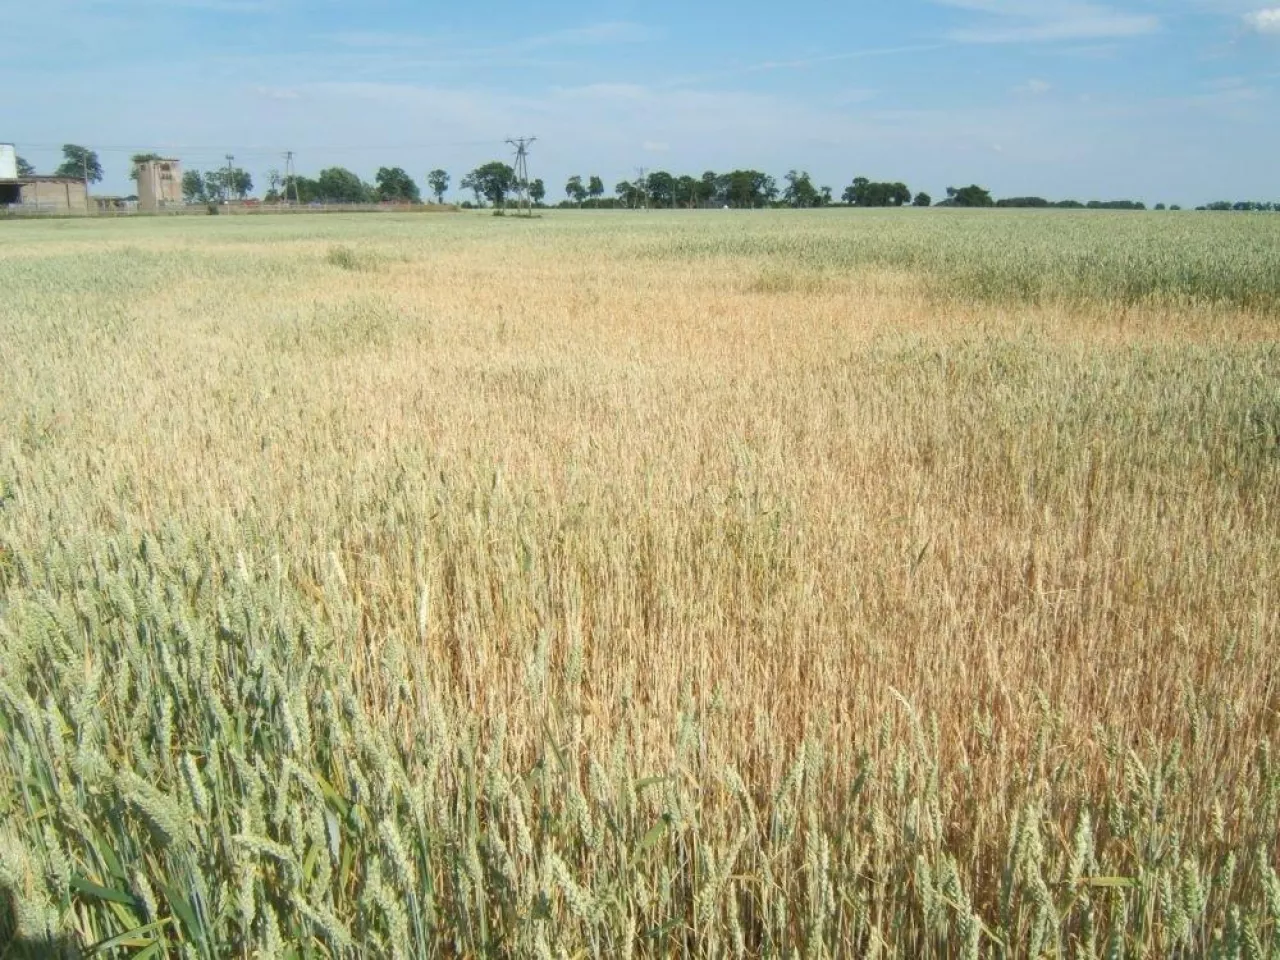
(522, 173)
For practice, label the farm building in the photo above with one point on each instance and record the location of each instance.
(159, 184)
(49, 195)
(42, 194)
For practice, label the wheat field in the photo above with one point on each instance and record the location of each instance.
(829, 584)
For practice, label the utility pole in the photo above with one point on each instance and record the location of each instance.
(229, 186)
(522, 172)
(642, 184)
(290, 178)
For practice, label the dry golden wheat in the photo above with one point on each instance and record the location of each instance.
(828, 584)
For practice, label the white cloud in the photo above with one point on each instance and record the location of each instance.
(1221, 97)
(853, 96)
(1093, 51)
(1265, 21)
(1033, 88)
(605, 91)
(455, 47)
(591, 35)
(378, 39)
(276, 93)
(1025, 21)
(655, 146)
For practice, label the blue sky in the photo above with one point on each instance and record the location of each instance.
(1160, 100)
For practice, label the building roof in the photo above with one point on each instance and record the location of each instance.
(40, 178)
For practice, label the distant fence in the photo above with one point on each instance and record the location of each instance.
(32, 209)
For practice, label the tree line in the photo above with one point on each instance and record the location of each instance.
(1244, 206)
(494, 182)
(332, 185)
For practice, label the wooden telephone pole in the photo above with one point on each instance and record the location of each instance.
(229, 186)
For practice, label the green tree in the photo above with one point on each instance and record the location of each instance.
(574, 190)
(193, 187)
(686, 192)
(627, 193)
(438, 181)
(395, 184)
(215, 184)
(340, 185)
(469, 183)
(661, 189)
(304, 189)
(709, 188)
(595, 188)
(80, 163)
(136, 162)
(766, 186)
(746, 188)
(292, 189)
(537, 191)
(1024, 202)
(922, 199)
(493, 181)
(274, 180)
(1119, 205)
(241, 183)
(864, 193)
(25, 169)
(223, 184)
(970, 196)
(800, 191)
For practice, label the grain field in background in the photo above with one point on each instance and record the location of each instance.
(683, 584)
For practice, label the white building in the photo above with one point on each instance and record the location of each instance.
(8, 162)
